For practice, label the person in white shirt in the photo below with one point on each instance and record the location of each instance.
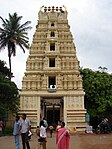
(25, 126)
(43, 133)
(42, 130)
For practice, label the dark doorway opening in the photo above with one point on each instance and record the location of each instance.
(52, 81)
(52, 34)
(52, 46)
(53, 116)
(52, 24)
(51, 62)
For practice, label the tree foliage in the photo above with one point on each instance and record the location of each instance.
(13, 33)
(4, 71)
(98, 92)
(9, 100)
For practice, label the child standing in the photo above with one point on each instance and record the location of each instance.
(51, 130)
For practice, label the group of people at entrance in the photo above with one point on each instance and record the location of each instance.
(62, 134)
(23, 126)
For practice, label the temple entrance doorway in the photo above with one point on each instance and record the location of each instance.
(52, 110)
(53, 116)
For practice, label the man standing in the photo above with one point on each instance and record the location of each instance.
(16, 132)
(25, 126)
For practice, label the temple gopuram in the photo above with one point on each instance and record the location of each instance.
(52, 84)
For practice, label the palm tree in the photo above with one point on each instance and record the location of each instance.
(13, 33)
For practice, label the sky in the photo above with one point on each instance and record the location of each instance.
(90, 23)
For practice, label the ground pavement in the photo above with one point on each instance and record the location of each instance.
(77, 141)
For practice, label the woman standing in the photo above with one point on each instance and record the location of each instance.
(57, 128)
(63, 137)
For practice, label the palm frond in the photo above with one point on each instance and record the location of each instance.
(2, 20)
(22, 47)
(24, 26)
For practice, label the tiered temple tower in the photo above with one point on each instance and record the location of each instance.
(52, 84)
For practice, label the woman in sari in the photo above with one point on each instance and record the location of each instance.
(63, 138)
(57, 129)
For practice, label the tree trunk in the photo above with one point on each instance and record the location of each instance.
(9, 55)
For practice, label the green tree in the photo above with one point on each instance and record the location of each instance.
(13, 33)
(98, 92)
(9, 95)
(4, 71)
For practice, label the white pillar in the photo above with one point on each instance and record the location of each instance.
(65, 110)
(38, 110)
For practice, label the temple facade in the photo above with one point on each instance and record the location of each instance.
(52, 84)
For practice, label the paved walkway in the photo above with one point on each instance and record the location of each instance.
(82, 141)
